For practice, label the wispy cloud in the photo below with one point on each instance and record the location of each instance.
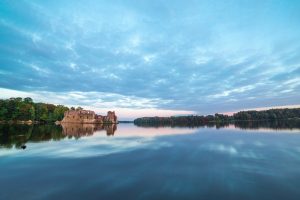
(168, 55)
(127, 107)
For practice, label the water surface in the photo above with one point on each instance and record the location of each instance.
(130, 162)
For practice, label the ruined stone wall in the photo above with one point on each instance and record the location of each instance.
(111, 117)
(88, 117)
(82, 116)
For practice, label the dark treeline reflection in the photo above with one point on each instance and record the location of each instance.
(18, 135)
(276, 125)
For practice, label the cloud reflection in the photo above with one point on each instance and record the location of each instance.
(226, 149)
(128, 138)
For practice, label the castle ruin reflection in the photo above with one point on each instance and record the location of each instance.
(79, 130)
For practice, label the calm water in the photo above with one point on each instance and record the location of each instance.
(129, 162)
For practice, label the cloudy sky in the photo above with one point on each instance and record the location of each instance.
(152, 57)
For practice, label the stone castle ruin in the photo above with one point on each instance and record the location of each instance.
(89, 117)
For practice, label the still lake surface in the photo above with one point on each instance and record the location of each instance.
(132, 162)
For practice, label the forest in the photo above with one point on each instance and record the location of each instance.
(24, 109)
(266, 115)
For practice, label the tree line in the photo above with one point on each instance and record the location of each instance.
(272, 114)
(19, 109)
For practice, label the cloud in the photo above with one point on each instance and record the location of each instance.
(199, 57)
(227, 93)
(127, 107)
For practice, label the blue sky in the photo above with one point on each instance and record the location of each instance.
(150, 57)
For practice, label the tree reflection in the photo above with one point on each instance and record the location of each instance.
(275, 125)
(18, 135)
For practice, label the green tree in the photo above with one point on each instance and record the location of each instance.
(79, 108)
(28, 100)
(32, 113)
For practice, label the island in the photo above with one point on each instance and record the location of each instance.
(88, 117)
(25, 111)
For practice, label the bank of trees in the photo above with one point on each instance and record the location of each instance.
(192, 120)
(14, 109)
(272, 114)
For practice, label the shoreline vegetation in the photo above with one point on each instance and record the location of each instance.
(285, 114)
(24, 111)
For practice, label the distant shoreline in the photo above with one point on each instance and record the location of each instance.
(25, 111)
(126, 122)
(146, 123)
(242, 116)
(29, 122)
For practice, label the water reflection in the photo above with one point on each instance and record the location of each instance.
(252, 125)
(79, 130)
(274, 125)
(209, 163)
(18, 135)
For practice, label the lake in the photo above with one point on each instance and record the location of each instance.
(245, 161)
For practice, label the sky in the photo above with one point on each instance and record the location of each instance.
(152, 57)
